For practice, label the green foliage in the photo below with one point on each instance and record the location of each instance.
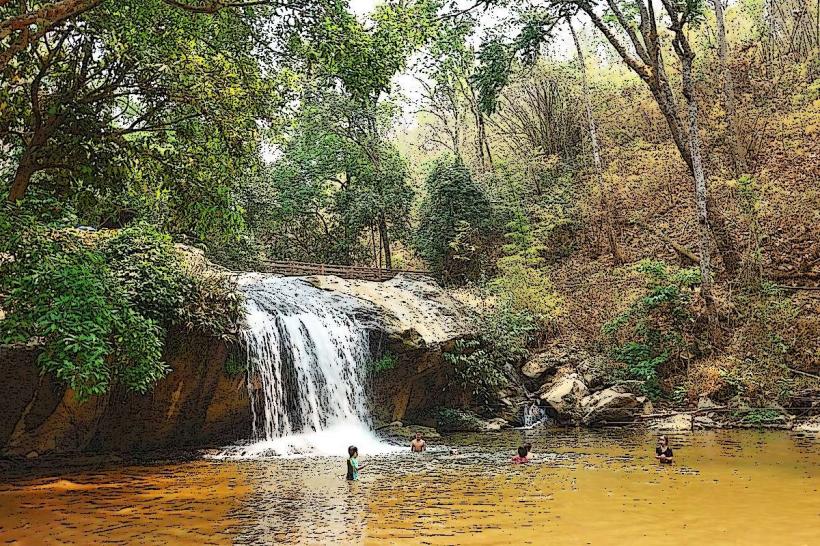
(141, 110)
(453, 420)
(455, 223)
(236, 364)
(759, 417)
(144, 263)
(336, 185)
(498, 54)
(657, 328)
(523, 285)
(384, 363)
(98, 304)
(479, 364)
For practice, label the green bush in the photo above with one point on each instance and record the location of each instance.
(479, 363)
(759, 417)
(98, 303)
(455, 218)
(657, 328)
(146, 266)
(384, 363)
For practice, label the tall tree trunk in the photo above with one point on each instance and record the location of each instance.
(701, 195)
(738, 153)
(606, 201)
(20, 184)
(482, 144)
(385, 240)
(22, 177)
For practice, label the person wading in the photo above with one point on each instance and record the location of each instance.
(418, 444)
(353, 466)
(663, 452)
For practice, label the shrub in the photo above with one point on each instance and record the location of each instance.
(479, 364)
(384, 363)
(658, 328)
(98, 303)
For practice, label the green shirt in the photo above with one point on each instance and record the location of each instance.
(352, 468)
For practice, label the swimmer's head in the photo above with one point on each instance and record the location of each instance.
(353, 451)
(522, 451)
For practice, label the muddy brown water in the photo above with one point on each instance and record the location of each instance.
(583, 487)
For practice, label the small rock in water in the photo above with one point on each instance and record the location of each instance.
(679, 422)
(497, 424)
(811, 425)
(705, 422)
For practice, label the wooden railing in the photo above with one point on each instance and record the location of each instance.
(301, 269)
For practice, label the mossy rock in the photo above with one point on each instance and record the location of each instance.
(452, 420)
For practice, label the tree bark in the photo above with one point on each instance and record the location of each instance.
(736, 146)
(30, 25)
(22, 177)
(385, 239)
(701, 191)
(606, 201)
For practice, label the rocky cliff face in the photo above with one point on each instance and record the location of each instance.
(195, 404)
(411, 320)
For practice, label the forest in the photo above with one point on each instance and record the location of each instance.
(637, 179)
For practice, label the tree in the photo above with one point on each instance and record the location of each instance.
(642, 51)
(606, 199)
(449, 90)
(455, 222)
(24, 24)
(101, 106)
(343, 54)
(736, 146)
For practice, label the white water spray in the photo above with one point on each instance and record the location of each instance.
(306, 354)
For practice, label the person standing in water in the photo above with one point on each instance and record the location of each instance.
(418, 444)
(528, 447)
(353, 466)
(663, 452)
(521, 457)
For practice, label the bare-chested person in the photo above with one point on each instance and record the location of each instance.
(418, 444)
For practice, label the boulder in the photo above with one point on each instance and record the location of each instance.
(647, 408)
(537, 366)
(705, 422)
(609, 406)
(565, 393)
(594, 371)
(705, 403)
(397, 431)
(497, 424)
(680, 422)
(811, 425)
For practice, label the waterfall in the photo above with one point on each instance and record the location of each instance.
(306, 357)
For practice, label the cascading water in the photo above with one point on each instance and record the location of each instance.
(306, 352)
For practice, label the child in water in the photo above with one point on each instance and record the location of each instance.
(663, 452)
(353, 466)
(521, 458)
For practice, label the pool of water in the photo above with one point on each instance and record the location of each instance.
(583, 487)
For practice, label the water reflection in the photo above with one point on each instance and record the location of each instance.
(743, 487)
